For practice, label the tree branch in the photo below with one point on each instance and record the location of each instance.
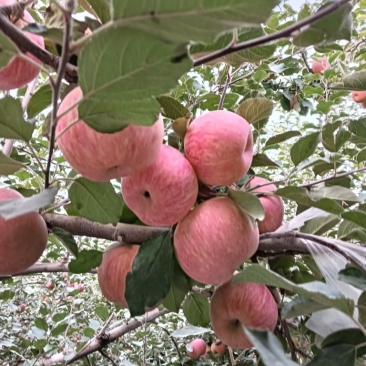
(285, 33)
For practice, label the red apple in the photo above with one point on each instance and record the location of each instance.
(20, 72)
(218, 348)
(80, 287)
(214, 239)
(219, 145)
(163, 193)
(234, 305)
(22, 239)
(273, 205)
(359, 96)
(50, 285)
(99, 156)
(318, 67)
(196, 349)
(21, 308)
(207, 354)
(117, 262)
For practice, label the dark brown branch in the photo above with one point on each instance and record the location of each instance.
(223, 94)
(26, 45)
(285, 33)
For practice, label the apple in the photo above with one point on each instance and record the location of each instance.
(21, 308)
(19, 72)
(214, 239)
(80, 287)
(163, 193)
(101, 157)
(218, 348)
(273, 205)
(196, 349)
(318, 67)
(207, 354)
(234, 305)
(22, 239)
(117, 262)
(359, 96)
(50, 285)
(219, 145)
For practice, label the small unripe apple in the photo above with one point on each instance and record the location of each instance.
(219, 145)
(359, 96)
(273, 205)
(101, 157)
(163, 193)
(318, 67)
(234, 305)
(214, 239)
(50, 285)
(196, 349)
(218, 348)
(22, 239)
(19, 72)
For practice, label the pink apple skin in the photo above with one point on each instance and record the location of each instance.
(163, 193)
(318, 67)
(233, 305)
(214, 239)
(22, 239)
(218, 348)
(101, 157)
(20, 72)
(273, 206)
(199, 349)
(359, 96)
(21, 308)
(219, 145)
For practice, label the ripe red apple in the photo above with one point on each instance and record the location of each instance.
(359, 96)
(218, 348)
(219, 145)
(117, 262)
(273, 205)
(101, 157)
(80, 287)
(50, 285)
(22, 239)
(20, 72)
(196, 349)
(236, 304)
(163, 193)
(21, 308)
(214, 239)
(318, 67)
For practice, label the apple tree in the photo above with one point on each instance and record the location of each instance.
(181, 182)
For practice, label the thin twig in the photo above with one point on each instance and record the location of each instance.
(223, 94)
(107, 357)
(56, 84)
(285, 33)
(303, 55)
(287, 334)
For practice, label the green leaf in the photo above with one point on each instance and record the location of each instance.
(8, 165)
(102, 312)
(86, 261)
(301, 196)
(7, 295)
(358, 127)
(172, 108)
(357, 217)
(196, 309)
(354, 277)
(348, 230)
(312, 90)
(67, 240)
(20, 206)
(7, 50)
(361, 303)
(96, 201)
(250, 203)
(317, 291)
(340, 355)
(40, 100)
(355, 81)
(59, 329)
(320, 225)
(304, 147)
(254, 54)
(40, 343)
(178, 290)
(151, 276)
(301, 306)
(282, 137)
(262, 160)
(189, 331)
(131, 69)
(12, 123)
(269, 347)
(338, 193)
(41, 324)
(332, 27)
(180, 22)
(102, 8)
(255, 109)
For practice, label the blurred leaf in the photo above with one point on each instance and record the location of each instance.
(320, 225)
(59, 329)
(361, 303)
(262, 160)
(151, 276)
(358, 127)
(7, 50)
(102, 312)
(12, 123)
(248, 202)
(96, 201)
(8, 165)
(86, 261)
(255, 109)
(188, 331)
(353, 276)
(304, 147)
(338, 193)
(67, 240)
(196, 309)
(357, 217)
(172, 108)
(40, 100)
(102, 8)
(20, 206)
(355, 81)
(41, 324)
(299, 305)
(349, 230)
(7, 295)
(340, 355)
(282, 137)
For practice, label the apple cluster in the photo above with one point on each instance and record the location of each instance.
(161, 185)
